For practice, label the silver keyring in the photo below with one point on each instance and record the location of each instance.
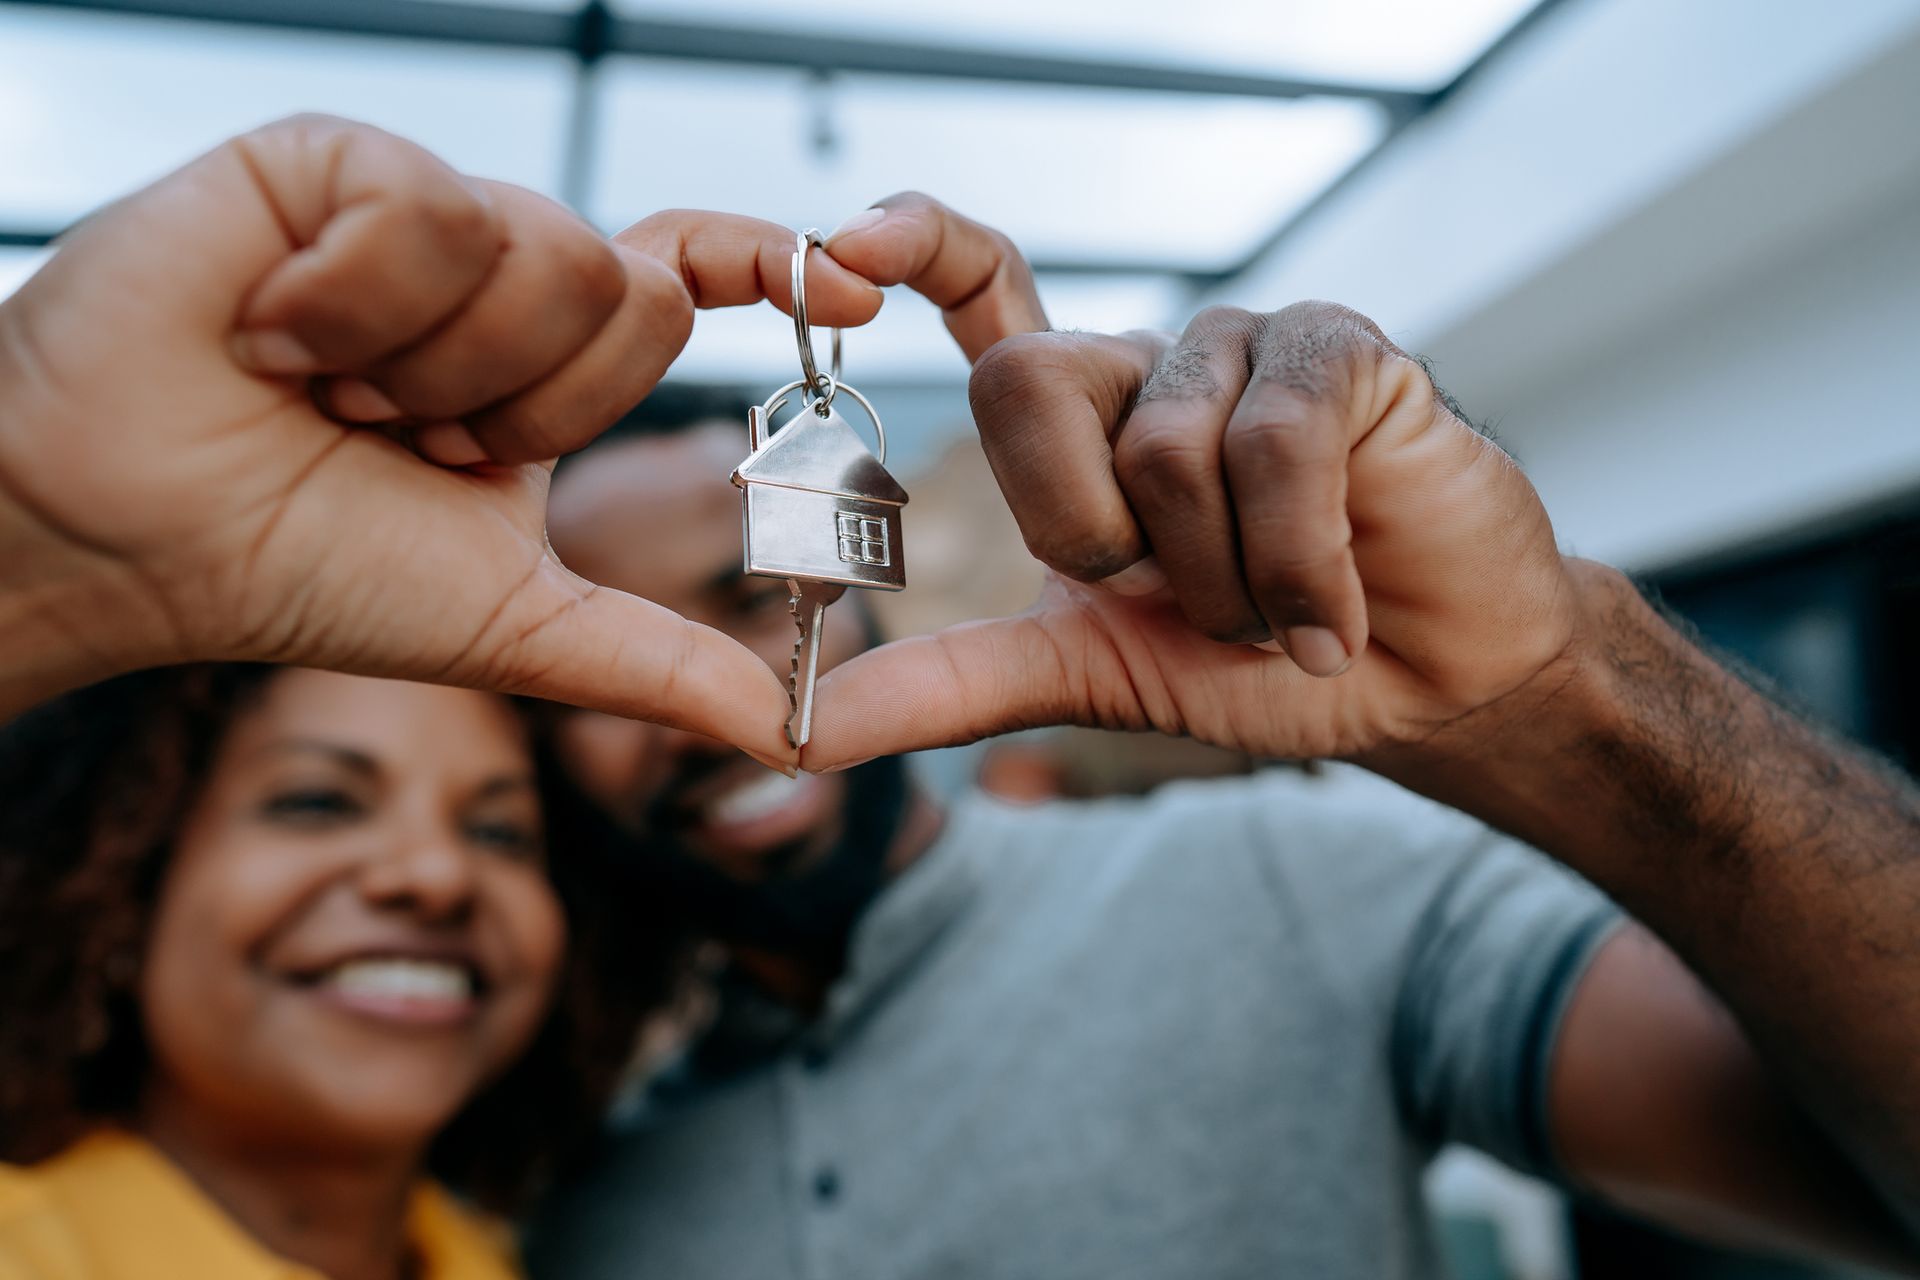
(778, 400)
(818, 384)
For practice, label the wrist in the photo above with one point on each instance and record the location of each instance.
(1571, 695)
(1631, 750)
(1533, 758)
(62, 622)
(56, 633)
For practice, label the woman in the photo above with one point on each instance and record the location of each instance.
(278, 948)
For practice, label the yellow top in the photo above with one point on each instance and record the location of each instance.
(111, 1207)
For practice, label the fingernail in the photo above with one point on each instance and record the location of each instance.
(1316, 651)
(858, 222)
(273, 351)
(844, 765)
(1271, 646)
(448, 443)
(776, 764)
(1141, 578)
(358, 400)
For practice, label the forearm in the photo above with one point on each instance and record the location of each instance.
(1782, 866)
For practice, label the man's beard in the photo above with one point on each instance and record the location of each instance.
(808, 910)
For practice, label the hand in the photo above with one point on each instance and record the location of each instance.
(974, 274)
(1294, 476)
(179, 479)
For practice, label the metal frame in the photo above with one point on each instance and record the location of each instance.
(592, 32)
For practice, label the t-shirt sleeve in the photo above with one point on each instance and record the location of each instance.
(1489, 969)
(1459, 946)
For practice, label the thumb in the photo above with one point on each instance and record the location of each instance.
(608, 651)
(955, 686)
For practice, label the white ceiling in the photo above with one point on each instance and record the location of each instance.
(1194, 182)
(1414, 44)
(94, 105)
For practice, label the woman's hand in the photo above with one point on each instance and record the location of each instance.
(292, 404)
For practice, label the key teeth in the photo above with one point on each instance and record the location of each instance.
(795, 604)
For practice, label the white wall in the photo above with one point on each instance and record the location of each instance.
(1781, 400)
(1672, 251)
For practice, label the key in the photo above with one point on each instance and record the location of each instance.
(821, 512)
(818, 508)
(809, 609)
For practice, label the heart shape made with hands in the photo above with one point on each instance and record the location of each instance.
(307, 319)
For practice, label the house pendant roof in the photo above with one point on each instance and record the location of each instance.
(825, 455)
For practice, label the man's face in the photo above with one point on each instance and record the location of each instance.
(659, 518)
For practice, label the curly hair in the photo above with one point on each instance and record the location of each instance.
(96, 785)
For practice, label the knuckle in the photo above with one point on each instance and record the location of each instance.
(1320, 314)
(651, 226)
(661, 295)
(1013, 370)
(1186, 373)
(1223, 321)
(462, 222)
(1147, 345)
(1001, 248)
(1415, 376)
(909, 201)
(1331, 330)
(1270, 433)
(317, 122)
(1165, 455)
(586, 271)
(1313, 349)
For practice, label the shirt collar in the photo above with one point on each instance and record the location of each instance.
(126, 1199)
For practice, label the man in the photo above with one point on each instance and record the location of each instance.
(1217, 1033)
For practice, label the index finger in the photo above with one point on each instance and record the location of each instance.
(1047, 406)
(728, 260)
(974, 274)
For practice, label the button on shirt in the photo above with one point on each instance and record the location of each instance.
(1213, 1033)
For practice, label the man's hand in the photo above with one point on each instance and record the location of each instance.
(974, 274)
(179, 479)
(1295, 478)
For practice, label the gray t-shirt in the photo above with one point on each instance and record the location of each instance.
(1214, 1033)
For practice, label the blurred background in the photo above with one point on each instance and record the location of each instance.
(1668, 253)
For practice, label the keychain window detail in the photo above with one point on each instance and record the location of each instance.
(863, 540)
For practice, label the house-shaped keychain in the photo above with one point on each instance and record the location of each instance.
(816, 503)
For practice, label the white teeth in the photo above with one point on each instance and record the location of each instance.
(402, 979)
(756, 799)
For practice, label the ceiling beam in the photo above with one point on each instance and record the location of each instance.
(25, 237)
(1397, 126)
(593, 31)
